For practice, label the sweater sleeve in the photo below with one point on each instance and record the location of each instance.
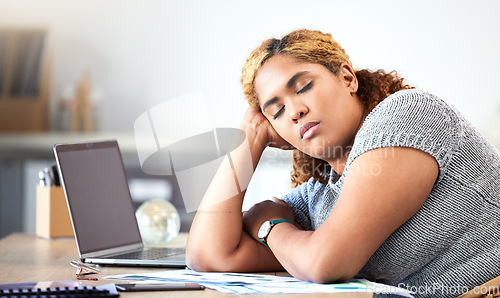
(415, 119)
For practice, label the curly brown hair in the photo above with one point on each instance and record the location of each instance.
(317, 47)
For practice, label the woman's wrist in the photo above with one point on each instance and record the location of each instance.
(256, 138)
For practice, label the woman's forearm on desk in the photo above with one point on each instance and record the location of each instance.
(216, 240)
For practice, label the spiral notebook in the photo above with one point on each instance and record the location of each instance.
(63, 289)
(100, 206)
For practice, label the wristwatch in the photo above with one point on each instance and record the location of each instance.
(266, 228)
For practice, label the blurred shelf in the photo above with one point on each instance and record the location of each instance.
(39, 145)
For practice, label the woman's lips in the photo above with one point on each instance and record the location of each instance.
(307, 130)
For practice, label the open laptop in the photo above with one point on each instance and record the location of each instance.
(101, 210)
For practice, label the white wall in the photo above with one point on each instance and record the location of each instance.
(141, 53)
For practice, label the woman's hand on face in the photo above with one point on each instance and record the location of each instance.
(256, 123)
(263, 211)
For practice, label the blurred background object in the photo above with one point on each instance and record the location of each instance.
(24, 80)
(81, 118)
(159, 222)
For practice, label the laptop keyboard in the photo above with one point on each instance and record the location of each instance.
(155, 253)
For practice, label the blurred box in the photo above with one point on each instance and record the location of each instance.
(52, 216)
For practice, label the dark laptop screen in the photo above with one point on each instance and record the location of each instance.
(98, 195)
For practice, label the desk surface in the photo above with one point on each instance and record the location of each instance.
(27, 258)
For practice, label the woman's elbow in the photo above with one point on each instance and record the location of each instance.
(204, 260)
(328, 271)
(198, 261)
(322, 277)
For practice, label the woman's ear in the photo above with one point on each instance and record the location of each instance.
(349, 77)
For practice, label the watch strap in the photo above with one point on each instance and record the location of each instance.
(277, 221)
(264, 242)
(272, 224)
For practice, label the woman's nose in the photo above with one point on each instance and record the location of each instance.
(297, 111)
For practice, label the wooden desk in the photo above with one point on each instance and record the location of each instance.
(27, 258)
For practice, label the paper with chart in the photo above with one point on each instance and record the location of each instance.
(239, 283)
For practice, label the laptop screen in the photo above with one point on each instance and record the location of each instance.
(98, 195)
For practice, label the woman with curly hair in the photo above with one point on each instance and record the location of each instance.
(391, 183)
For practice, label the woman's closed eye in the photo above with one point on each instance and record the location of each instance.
(305, 88)
(280, 111)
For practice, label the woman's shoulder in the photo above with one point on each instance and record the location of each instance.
(413, 98)
(412, 118)
(412, 109)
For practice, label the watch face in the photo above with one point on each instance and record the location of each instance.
(264, 229)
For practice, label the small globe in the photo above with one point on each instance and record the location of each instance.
(159, 222)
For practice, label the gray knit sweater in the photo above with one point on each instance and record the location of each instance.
(453, 242)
